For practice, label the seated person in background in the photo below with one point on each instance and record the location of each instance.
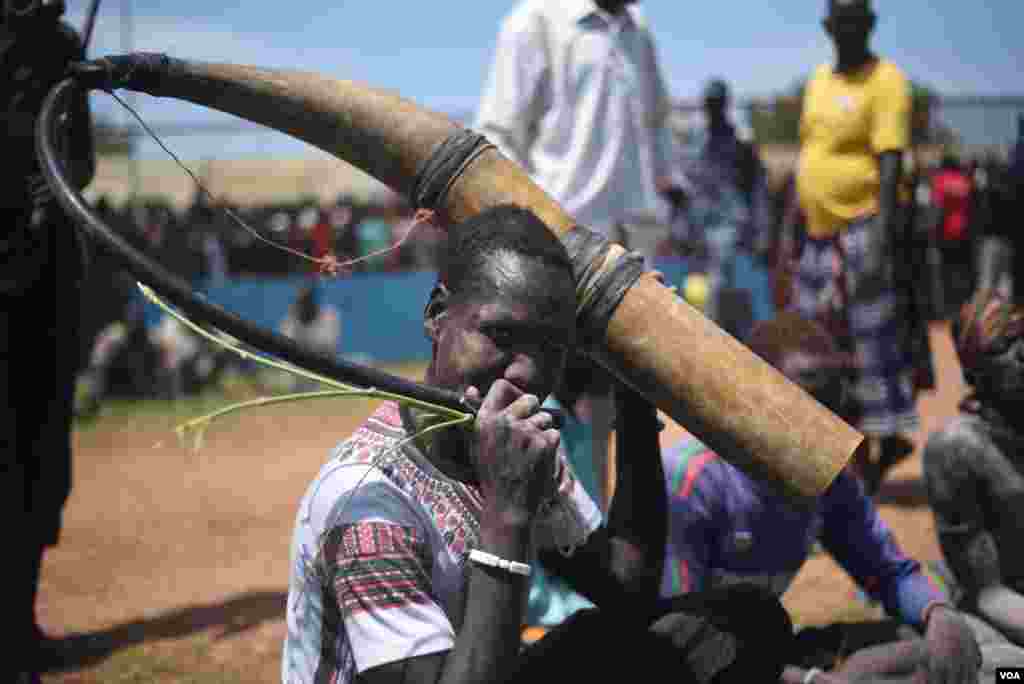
(974, 471)
(724, 527)
(411, 554)
(179, 349)
(311, 323)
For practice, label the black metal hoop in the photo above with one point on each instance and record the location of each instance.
(181, 295)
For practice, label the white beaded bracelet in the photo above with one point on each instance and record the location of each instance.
(811, 674)
(490, 560)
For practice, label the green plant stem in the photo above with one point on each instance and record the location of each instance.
(226, 342)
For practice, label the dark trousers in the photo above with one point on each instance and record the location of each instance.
(39, 354)
(958, 276)
(734, 635)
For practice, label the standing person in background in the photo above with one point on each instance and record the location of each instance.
(789, 244)
(951, 193)
(202, 220)
(373, 236)
(1007, 197)
(729, 208)
(42, 266)
(999, 265)
(854, 130)
(321, 235)
(576, 97)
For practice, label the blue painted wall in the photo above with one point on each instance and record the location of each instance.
(381, 314)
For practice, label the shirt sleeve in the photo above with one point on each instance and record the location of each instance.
(691, 489)
(380, 565)
(510, 107)
(860, 541)
(664, 153)
(890, 129)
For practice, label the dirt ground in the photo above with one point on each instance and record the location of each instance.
(173, 564)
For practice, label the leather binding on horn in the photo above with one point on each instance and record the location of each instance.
(601, 282)
(603, 277)
(444, 166)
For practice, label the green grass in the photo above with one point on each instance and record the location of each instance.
(230, 390)
(181, 662)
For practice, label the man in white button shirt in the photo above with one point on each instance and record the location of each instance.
(576, 97)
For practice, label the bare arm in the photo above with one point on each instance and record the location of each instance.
(638, 518)
(514, 457)
(620, 565)
(900, 661)
(488, 642)
(890, 136)
(1004, 609)
(796, 675)
(952, 460)
(890, 171)
(880, 255)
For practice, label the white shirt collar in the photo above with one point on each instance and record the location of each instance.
(581, 9)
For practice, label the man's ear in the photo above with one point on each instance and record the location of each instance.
(436, 309)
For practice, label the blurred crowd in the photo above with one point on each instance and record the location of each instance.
(206, 242)
(959, 205)
(126, 353)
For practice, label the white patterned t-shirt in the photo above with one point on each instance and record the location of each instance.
(379, 554)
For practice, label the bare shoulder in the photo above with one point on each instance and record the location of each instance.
(962, 441)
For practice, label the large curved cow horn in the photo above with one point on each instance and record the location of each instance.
(704, 379)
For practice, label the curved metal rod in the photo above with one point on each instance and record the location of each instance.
(180, 294)
(90, 24)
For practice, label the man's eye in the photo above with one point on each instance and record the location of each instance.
(501, 336)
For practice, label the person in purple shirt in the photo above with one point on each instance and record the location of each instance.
(727, 529)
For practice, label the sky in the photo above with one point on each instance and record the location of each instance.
(438, 53)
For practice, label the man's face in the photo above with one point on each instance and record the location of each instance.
(520, 330)
(849, 27)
